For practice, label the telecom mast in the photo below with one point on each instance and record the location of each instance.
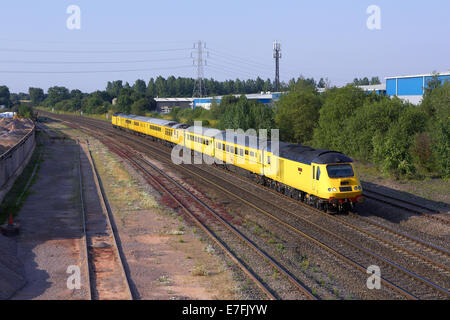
(277, 56)
(199, 87)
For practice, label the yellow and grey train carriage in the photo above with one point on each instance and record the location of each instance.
(242, 151)
(323, 178)
(158, 129)
(200, 139)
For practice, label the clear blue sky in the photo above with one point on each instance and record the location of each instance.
(319, 39)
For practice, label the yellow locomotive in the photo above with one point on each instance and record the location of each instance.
(322, 178)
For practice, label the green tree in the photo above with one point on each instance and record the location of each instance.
(175, 114)
(321, 83)
(113, 88)
(95, 104)
(56, 94)
(375, 80)
(5, 96)
(340, 105)
(373, 118)
(36, 95)
(393, 151)
(140, 107)
(140, 87)
(25, 110)
(297, 114)
(433, 83)
(124, 101)
(436, 104)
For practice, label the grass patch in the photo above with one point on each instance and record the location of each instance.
(165, 280)
(200, 270)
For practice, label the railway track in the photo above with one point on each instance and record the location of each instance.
(410, 206)
(106, 274)
(173, 188)
(352, 261)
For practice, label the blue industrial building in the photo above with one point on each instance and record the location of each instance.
(411, 88)
(263, 97)
(164, 105)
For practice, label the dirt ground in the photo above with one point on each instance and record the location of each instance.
(11, 131)
(166, 257)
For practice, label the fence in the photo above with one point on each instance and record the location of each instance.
(13, 161)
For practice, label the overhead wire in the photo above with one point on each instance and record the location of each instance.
(90, 62)
(235, 70)
(239, 65)
(238, 58)
(92, 71)
(91, 51)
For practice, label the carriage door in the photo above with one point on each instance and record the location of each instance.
(315, 179)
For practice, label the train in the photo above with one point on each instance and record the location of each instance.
(321, 178)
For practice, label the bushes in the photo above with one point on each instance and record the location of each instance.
(340, 105)
(297, 115)
(440, 146)
(422, 153)
(25, 111)
(403, 139)
(245, 114)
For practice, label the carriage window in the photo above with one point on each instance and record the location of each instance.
(246, 152)
(228, 148)
(223, 147)
(241, 152)
(268, 160)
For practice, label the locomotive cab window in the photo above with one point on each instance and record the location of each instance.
(318, 173)
(340, 171)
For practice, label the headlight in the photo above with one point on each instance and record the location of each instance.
(334, 189)
(356, 188)
(329, 189)
(359, 187)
